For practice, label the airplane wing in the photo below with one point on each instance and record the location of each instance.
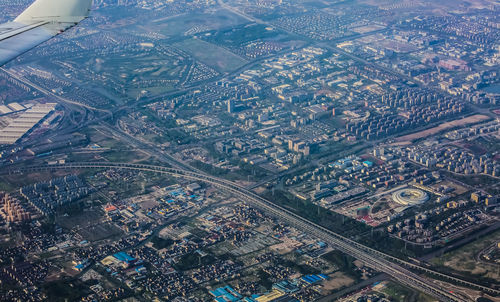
(41, 21)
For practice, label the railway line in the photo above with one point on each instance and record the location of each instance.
(399, 269)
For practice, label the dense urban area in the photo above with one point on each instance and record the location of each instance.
(257, 150)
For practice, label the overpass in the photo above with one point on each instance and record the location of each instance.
(393, 266)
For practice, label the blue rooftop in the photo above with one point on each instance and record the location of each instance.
(225, 294)
(313, 278)
(122, 256)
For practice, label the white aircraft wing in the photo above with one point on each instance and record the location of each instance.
(38, 23)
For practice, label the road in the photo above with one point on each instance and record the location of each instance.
(490, 229)
(372, 258)
(396, 268)
(487, 250)
(237, 12)
(355, 287)
(48, 93)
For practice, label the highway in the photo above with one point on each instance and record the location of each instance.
(48, 93)
(394, 267)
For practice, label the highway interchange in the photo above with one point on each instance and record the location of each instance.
(397, 268)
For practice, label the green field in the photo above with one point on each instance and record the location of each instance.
(464, 260)
(400, 293)
(240, 35)
(180, 25)
(211, 55)
(6, 186)
(155, 69)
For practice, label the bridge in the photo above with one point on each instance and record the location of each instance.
(398, 268)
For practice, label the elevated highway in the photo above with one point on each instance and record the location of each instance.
(397, 268)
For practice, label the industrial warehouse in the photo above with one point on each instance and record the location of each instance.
(25, 122)
(250, 150)
(11, 108)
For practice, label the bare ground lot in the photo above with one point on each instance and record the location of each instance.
(456, 123)
(99, 232)
(82, 220)
(337, 280)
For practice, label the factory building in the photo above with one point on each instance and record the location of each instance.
(25, 123)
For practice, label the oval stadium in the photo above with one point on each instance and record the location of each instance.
(410, 197)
